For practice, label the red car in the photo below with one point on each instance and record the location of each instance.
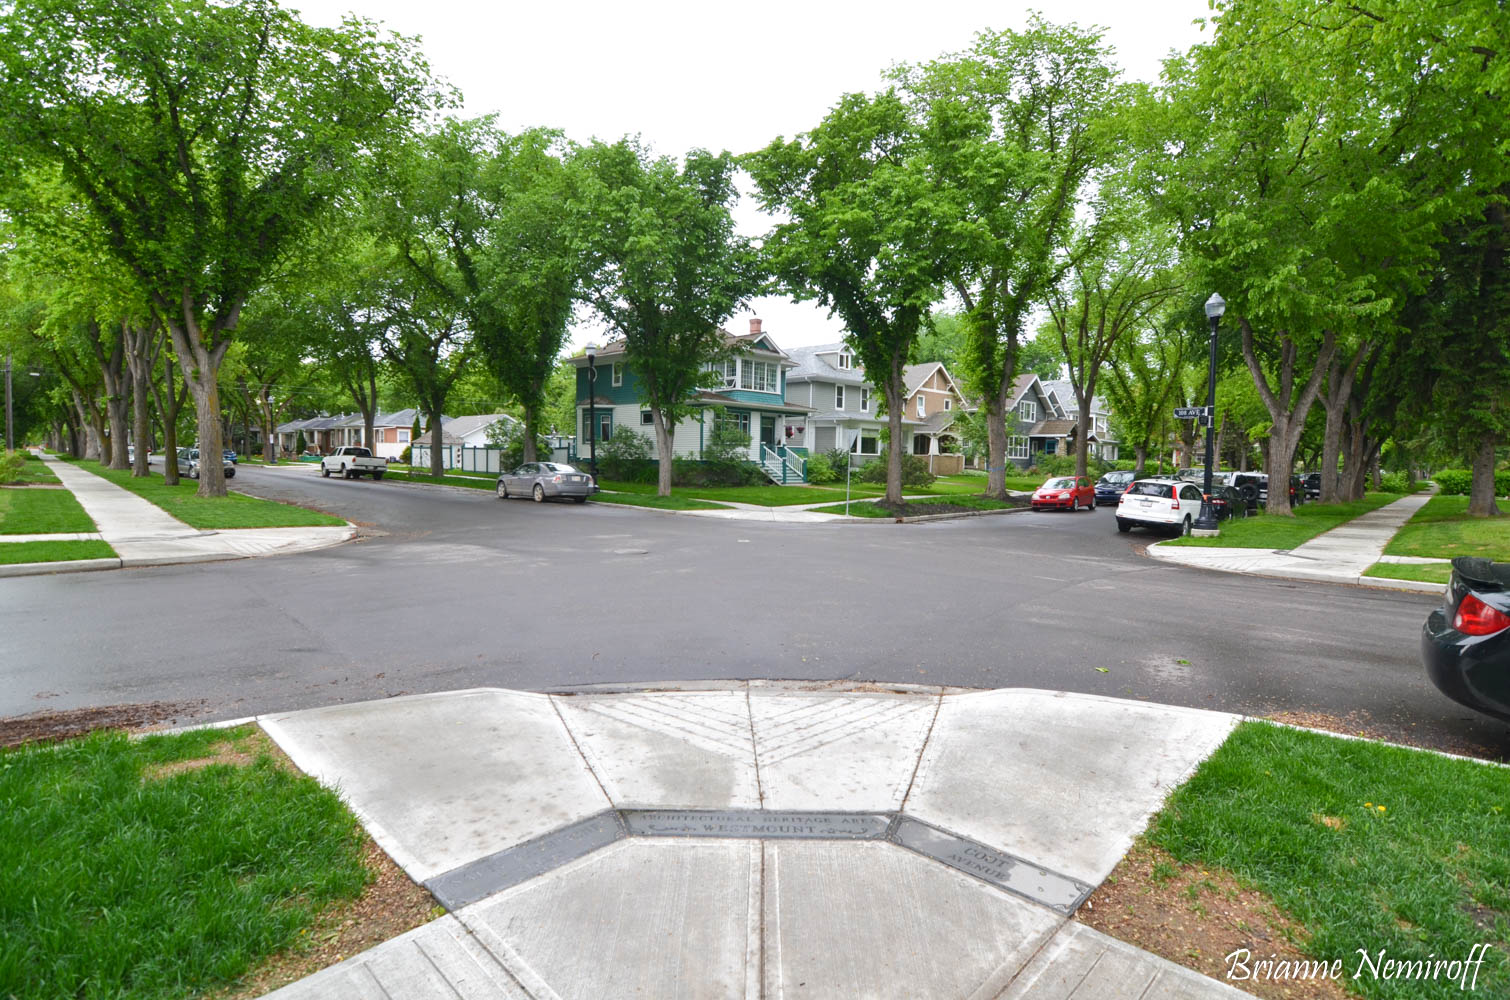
(1065, 493)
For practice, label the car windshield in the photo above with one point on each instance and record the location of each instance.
(1059, 484)
(1152, 490)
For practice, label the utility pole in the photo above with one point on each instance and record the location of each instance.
(10, 434)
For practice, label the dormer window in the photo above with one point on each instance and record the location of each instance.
(844, 361)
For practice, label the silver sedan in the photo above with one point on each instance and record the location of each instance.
(543, 480)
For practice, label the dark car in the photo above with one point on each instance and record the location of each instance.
(1312, 483)
(542, 480)
(1253, 486)
(1228, 502)
(1466, 642)
(231, 456)
(1110, 487)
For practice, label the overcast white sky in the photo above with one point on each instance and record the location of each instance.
(721, 76)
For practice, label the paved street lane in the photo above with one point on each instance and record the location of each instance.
(453, 588)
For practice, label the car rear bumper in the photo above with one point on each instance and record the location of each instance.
(568, 489)
(1471, 670)
(1148, 519)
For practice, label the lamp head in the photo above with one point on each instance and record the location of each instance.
(1215, 306)
(592, 350)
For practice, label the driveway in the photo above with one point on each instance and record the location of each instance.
(452, 588)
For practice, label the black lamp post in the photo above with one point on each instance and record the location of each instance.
(1215, 306)
(592, 412)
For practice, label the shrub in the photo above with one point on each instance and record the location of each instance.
(691, 472)
(626, 457)
(725, 442)
(405, 455)
(1056, 465)
(508, 437)
(820, 470)
(300, 445)
(1454, 482)
(1502, 483)
(914, 471)
(11, 464)
(1394, 482)
(838, 458)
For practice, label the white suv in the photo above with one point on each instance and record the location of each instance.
(1159, 503)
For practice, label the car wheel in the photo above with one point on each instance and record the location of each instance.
(378, 476)
(1123, 526)
(539, 493)
(1074, 505)
(324, 472)
(503, 491)
(345, 472)
(580, 499)
(1093, 501)
(194, 473)
(1185, 526)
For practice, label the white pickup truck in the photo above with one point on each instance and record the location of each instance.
(352, 461)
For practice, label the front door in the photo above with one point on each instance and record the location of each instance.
(768, 430)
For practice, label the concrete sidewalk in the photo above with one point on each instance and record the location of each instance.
(1336, 556)
(143, 534)
(754, 840)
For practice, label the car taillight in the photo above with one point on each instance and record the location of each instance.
(1474, 617)
(1175, 505)
(555, 479)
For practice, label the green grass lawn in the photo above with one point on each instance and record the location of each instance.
(33, 471)
(786, 496)
(480, 481)
(12, 553)
(1365, 845)
(660, 503)
(1443, 529)
(236, 510)
(1310, 520)
(125, 880)
(1425, 572)
(40, 512)
(869, 508)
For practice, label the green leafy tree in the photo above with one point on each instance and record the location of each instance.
(665, 268)
(1012, 129)
(204, 139)
(862, 237)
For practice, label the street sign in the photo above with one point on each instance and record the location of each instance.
(1192, 412)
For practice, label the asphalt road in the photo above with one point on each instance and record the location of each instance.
(454, 588)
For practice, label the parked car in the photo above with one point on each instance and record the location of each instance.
(1466, 642)
(188, 464)
(1254, 486)
(351, 462)
(1228, 502)
(231, 456)
(1110, 487)
(1312, 482)
(1065, 493)
(1163, 504)
(543, 480)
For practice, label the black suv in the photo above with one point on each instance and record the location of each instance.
(1110, 487)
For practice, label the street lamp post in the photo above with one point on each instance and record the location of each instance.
(10, 437)
(1215, 307)
(592, 411)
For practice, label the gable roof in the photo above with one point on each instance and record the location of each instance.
(460, 427)
(810, 367)
(1064, 392)
(752, 343)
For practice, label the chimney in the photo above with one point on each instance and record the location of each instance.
(754, 327)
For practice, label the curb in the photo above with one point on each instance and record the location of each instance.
(921, 518)
(61, 566)
(1319, 576)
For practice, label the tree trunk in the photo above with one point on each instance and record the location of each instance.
(141, 345)
(437, 468)
(92, 424)
(1288, 420)
(1339, 386)
(996, 445)
(1481, 501)
(200, 364)
(1082, 440)
(895, 400)
(1140, 456)
(663, 456)
(168, 408)
(530, 451)
(370, 411)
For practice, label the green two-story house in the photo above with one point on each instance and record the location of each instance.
(752, 397)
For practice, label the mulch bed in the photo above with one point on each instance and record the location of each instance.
(905, 509)
(50, 727)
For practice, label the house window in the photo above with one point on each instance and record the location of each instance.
(759, 376)
(1017, 447)
(647, 419)
(864, 400)
(844, 361)
(605, 425)
(403, 435)
(618, 375)
(1028, 410)
(737, 421)
(867, 443)
(948, 403)
(838, 397)
(1049, 446)
(921, 408)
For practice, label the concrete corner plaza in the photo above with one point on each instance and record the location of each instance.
(754, 840)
